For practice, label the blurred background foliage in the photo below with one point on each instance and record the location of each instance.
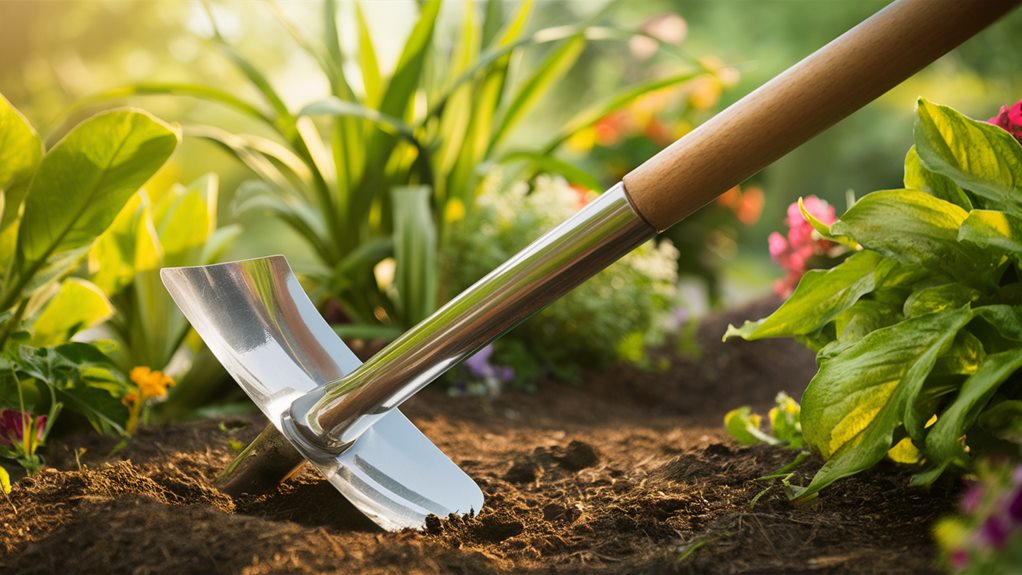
(56, 55)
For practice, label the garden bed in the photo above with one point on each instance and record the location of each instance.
(631, 472)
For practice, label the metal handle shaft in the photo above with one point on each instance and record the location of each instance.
(332, 417)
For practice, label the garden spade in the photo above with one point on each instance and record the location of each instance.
(343, 416)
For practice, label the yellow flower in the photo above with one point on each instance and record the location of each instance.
(151, 383)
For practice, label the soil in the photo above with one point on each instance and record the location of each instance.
(630, 473)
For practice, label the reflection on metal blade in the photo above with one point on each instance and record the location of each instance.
(257, 320)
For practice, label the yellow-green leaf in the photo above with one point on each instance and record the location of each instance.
(20, 146)
(818, 299)
(994, 230)
(82, 184)
(914, 227)
(978, 156)
(862, 394)
(77, 305)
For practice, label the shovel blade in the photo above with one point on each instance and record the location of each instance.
(257, 320)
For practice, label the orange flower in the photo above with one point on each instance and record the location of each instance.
(151, 383)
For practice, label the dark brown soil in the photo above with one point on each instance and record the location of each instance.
(630, 473)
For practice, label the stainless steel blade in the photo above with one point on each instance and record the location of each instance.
(257, 320)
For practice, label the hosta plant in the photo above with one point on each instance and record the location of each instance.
(378, 167)
(55, 203)
(918, 332)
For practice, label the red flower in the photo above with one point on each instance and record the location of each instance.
(13, 423)
(1009, 118)
(793, 252)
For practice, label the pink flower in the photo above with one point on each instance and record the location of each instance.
(795, 251)
(1009, 118)
(12, 426)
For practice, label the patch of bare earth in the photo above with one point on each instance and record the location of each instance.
(629, 474)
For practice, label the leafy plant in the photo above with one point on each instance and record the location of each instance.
(156, 228)
(918, 333)
(613, 316)
(343, 171)
(55, 204)
(784, 418)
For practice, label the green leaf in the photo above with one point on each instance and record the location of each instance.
(77, 305)
(367, 331)
(978, 156)
(184, 220)
(129, 245)
(939, 298)
(1004, 420)
(402, 85)
(199, 91)
(83, 182)
(20, 148)
(994, 230)
(415, 249)
(863, 318)
(1006, 319)
(916, 228)
(919, 177)
(745, 427)
(559, 61)
(367, 61)
(820, 296)
(942, 441)
(859, 397)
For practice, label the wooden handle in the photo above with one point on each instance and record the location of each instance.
(809, 97)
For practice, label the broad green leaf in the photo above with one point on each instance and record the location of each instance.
(863, 318)
(820, 296)
(995, 230)
(20, 148)
(1006, 319)
(77, 305)
(130, 244)
(942, 441)
(978, 156)
(84, 181)
(939, 298)
(919, 177)
(184, 222)
(415, 249)
(916, 228)
(859, 397)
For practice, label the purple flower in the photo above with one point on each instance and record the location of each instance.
(1015, 506)
(479, 366)
(12, 426)
(994, 532)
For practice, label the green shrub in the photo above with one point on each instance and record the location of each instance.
(613, 316)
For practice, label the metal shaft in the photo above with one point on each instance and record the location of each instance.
(330, 418)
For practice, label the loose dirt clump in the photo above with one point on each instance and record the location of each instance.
(630, 473)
